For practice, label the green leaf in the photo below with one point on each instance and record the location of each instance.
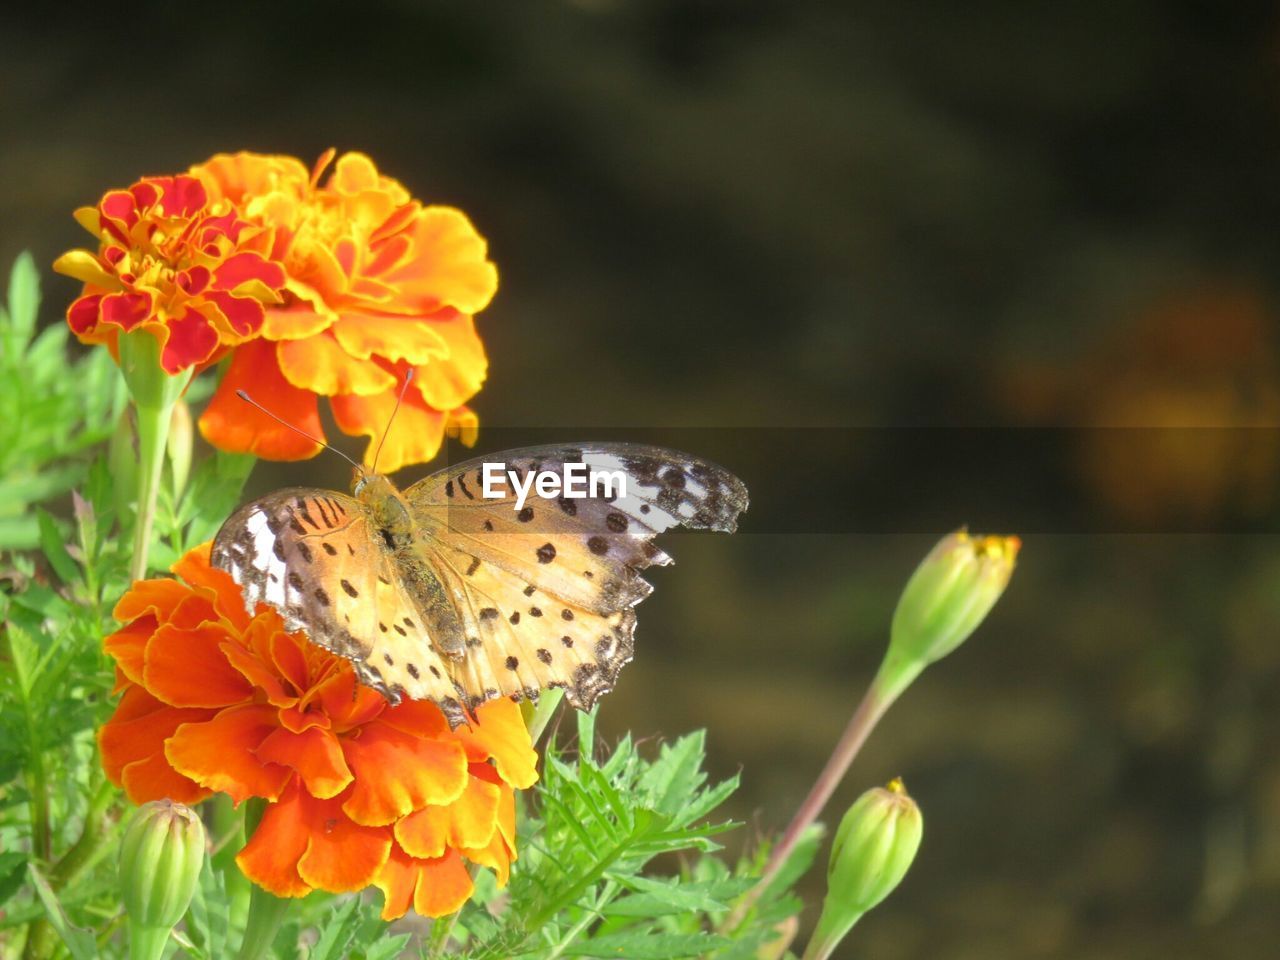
(55, 548)
(24, 294)
(587, 732)
(798, 861)
(655, 897)
(677, 774)
(12, 864)
(641, 945)
(337, 931)
(387, 947)
(80, 942)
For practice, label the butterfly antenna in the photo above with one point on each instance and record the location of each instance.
(392, 419)
(248, 399)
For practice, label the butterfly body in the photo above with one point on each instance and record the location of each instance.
(437, 592)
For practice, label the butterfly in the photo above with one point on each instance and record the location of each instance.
(442, 593)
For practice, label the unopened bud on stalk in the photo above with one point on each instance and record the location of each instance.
(160, 859)
(950, 593)
(877, 840)
(180, 442)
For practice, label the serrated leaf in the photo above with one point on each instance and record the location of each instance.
(798, 862)
(387, 947)
(677, 774)
(654, 897)
(641, 945)
(337, 931)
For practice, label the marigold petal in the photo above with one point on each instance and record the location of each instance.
(395, 338)
(244, 317)
(320, 364)
(443, 886)
(191, 340)
(397, 773)
(434, 887)
(132, 747)
(499, 733)
(185, 667)
(495, 855)
(353, 173)
(315, 754)
(425, 832)
(450, 268)
(347, 703)
(396, 879)
(414, 436)
(473, 817)
(156, 597)
(258, 674)
(195, 568)
(296, 321)
(220, 753)
(449, 382)
(84, 266)
(422, 718)
(235, 426)
(244, 267)
(342, 856)
(270, 858)
(125, 310)
(127, 646)
(82, 315)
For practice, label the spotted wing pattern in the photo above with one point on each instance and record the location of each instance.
(314, 557)
(545, 592)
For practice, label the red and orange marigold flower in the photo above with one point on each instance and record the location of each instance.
(378, 284)
(189, 272)
(216, 699)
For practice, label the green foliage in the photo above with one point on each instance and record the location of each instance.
(619, 850)
(51, 412)
(585, 886)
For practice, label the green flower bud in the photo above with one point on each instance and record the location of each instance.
(877, 840)
(160, 859)
(179, 449)
(950, 593)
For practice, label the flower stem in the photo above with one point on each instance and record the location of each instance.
(153, 434)
(887, 686)
(543, 713)
(147, 943)
(93, 835)
(266, 914)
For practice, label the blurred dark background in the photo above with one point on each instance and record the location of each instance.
(766, 218)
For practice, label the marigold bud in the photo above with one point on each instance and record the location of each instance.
(950, 593)
(179, 446)
(160, 859)
(875, 844)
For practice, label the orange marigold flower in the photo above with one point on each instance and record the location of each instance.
(361, 793)
(377, 284)
(188, 271)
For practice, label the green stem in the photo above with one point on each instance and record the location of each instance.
(93, 836)
(606, 894)
(266, 914)
(543, 713)
(153, 435)
(887, 686)
(147, 943)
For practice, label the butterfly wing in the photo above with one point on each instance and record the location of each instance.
(545, 592)
(312, 555)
